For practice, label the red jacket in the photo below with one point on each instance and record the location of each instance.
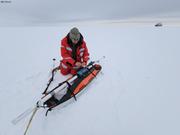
(72, 54)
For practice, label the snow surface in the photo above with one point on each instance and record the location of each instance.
(137, 92)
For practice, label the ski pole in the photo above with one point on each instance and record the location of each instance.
(52, 77)
(97, 61)
(54, 62)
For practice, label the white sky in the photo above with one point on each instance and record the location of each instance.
(23, 12)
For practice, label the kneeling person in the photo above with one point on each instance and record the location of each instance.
(74, 52)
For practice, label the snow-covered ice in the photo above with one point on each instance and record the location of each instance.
(137, 92)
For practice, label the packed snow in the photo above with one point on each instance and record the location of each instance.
(136, 93)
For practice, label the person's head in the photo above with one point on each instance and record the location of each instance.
(74, 35)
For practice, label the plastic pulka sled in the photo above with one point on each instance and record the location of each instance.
(70, 88)
(66, 90)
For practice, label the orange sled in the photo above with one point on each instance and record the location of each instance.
(84, 77)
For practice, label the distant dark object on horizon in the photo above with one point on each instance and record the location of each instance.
(158, 24)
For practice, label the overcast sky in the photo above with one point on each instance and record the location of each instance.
(25, 12)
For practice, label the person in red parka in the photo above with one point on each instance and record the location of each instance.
(74, 52)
